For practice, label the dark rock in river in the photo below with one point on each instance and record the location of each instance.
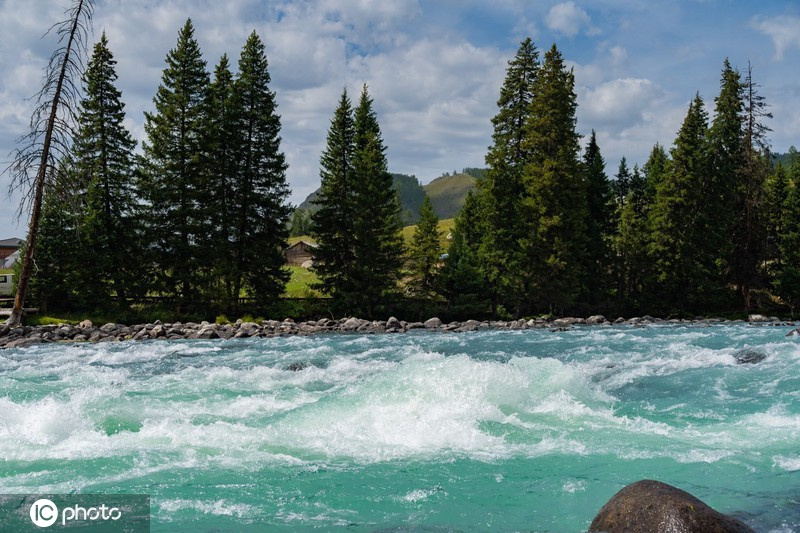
(793, 333)
(649, 506)
(748, 357)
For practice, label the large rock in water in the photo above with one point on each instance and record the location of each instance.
(748, 357)
(649, 506)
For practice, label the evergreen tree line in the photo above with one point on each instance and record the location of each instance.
(201, 213)
(694, 230)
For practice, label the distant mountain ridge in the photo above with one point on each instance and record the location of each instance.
(447, 193)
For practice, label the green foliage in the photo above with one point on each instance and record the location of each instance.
(502, 188)
(174, 184)
(789, 275)
(377, 240)
(54, 272)
(300, 223)
(410, 194)
(599, 224)
(108, 221)
(448, 193)
(460, 281)
(260, 191)
(301, 283)
(220, 155)
(555, 203)
(685, 269)
(357, 223)
(424, 252)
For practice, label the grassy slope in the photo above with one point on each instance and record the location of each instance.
(445, 227)
(447, 193)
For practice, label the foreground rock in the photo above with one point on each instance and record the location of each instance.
(649, 506)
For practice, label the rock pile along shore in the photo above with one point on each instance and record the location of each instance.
(86, 331)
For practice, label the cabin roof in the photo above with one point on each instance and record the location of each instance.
(10, 243)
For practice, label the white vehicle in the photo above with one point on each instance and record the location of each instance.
(6, 281)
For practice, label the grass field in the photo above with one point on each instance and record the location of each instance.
(299, 285)
(445, 227)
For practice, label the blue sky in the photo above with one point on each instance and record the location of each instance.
(434, 68)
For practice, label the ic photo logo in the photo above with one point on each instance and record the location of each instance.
(44, 513)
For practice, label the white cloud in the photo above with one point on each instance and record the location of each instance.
(568, 19)
(619, 102)
(784, 32)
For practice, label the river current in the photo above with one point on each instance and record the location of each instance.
(487, 431)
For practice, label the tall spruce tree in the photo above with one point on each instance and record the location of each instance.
(377, 239)
(424, 252)
(622, 183)
(654, 169)
(221, 150)
(332, 222)
(502, 187)
(174, 176)
(103, 166)
(555, 203)
(724, 185)
(777, 191)
(749, 227)
(599, 224)
(788, 280)
(684, 268)
(632, 242)
(260, 207)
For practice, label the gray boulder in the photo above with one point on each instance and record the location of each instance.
(433, 323)
(794, 333)
(748, 357)
(596, 319)
(648, 506)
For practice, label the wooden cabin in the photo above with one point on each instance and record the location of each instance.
(300, 253)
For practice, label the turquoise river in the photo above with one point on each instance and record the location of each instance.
(487, 431)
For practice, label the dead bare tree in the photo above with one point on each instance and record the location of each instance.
(38, 160)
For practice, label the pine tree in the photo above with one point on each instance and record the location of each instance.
(724, 184)
(788, 281)
(555, 202)
(53, 286)
(632, 242)
(103, 166)
(461, 281)
(260, 191)
(174, 184)
(749, 226)
(424, 252)
(684, 268)
(332, 222)
(377, 239)
(777, 191)
(221, 148)
(502, 186)
(622, 185)
(655, 168)
(599, 223)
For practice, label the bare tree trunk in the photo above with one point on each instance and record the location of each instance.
(82, 9)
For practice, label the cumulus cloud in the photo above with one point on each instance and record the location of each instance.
(619, 102)
(568, 19)
(784, 32)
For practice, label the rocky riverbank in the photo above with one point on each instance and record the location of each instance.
(86, 331)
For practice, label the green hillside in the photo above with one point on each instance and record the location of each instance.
(448, 192)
